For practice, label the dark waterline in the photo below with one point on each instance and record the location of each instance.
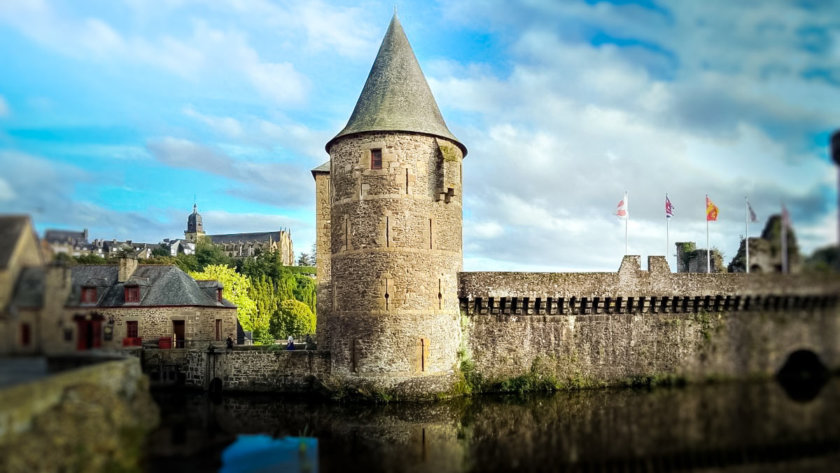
(728, 427)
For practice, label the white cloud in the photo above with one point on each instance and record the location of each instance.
(6, 191)
(207, 52)
(556, 140)
(272, 183)
(227, 126)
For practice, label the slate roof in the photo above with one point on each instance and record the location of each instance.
(396, 96)
(11, 227)
(65, 236)
(29, 290)
(322, 169)
(160, 285)
(244, 237)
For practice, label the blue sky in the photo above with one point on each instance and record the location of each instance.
(114, 114)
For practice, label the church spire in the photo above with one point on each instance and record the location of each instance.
(396, 96)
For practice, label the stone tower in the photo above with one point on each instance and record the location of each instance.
(195, 227)
(391, 316)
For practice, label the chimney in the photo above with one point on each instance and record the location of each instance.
(127, 266)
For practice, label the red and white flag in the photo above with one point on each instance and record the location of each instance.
(623, 211)
(669, 209)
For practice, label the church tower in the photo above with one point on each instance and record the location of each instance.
(391, 317)
(195, 227)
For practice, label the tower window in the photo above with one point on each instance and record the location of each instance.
(376, 158)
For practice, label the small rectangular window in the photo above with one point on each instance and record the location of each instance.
(88, 295)
(131, 329)
(376, 159)
(132, 294)
(218, 330)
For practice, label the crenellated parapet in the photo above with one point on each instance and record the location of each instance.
(606, 328)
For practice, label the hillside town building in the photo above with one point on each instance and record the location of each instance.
(241, 245)
(53, 309)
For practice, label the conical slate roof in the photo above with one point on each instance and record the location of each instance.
(396, 96)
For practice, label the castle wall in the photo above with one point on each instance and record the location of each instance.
(396, 251)
(250, 370)
(323, 260)
(605, 328)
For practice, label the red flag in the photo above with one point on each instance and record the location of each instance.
(622, 211)
(711, 210)
(669, 209)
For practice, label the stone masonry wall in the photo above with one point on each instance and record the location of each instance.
(605, 328)
(396, 253)
(323, 262)
(88, 419)
(251, 370)
(152, 323)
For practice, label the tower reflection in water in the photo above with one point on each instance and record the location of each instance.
(713, 427)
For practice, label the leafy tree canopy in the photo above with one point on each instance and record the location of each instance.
(237, 290)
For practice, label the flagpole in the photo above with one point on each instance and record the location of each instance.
(667, 229)
(747, 232)
(626, 222)
(708, 249)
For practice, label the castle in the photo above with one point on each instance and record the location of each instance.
(396, 312)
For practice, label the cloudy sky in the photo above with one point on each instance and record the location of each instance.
(115, 114)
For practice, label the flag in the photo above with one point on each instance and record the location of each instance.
(669, 209)
(711, 210)
(785, 216)
(622, 210)
(753, 218)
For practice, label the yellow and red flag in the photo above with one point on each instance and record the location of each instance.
(711, 210)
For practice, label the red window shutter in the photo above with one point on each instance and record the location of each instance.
(376, 159)
(132, 294)
(131, 329)
(88, 295)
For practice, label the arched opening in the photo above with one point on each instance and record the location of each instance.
(215, 390)
(803, 375)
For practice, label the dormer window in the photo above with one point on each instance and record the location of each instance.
(88, 295)
(219, 295)
(376, 158)
(132, 293)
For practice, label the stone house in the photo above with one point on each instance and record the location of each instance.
(58, 309)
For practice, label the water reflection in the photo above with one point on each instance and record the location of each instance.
(262, 453)
(729, 427)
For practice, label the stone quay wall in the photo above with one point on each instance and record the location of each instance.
(87, 419)
(241, 369)
(611, 328)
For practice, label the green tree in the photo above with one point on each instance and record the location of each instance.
(294, 318)
(87, 259)
(163, 250)
(237, 290)
(206, 254)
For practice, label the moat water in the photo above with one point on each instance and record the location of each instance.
(749, 427)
